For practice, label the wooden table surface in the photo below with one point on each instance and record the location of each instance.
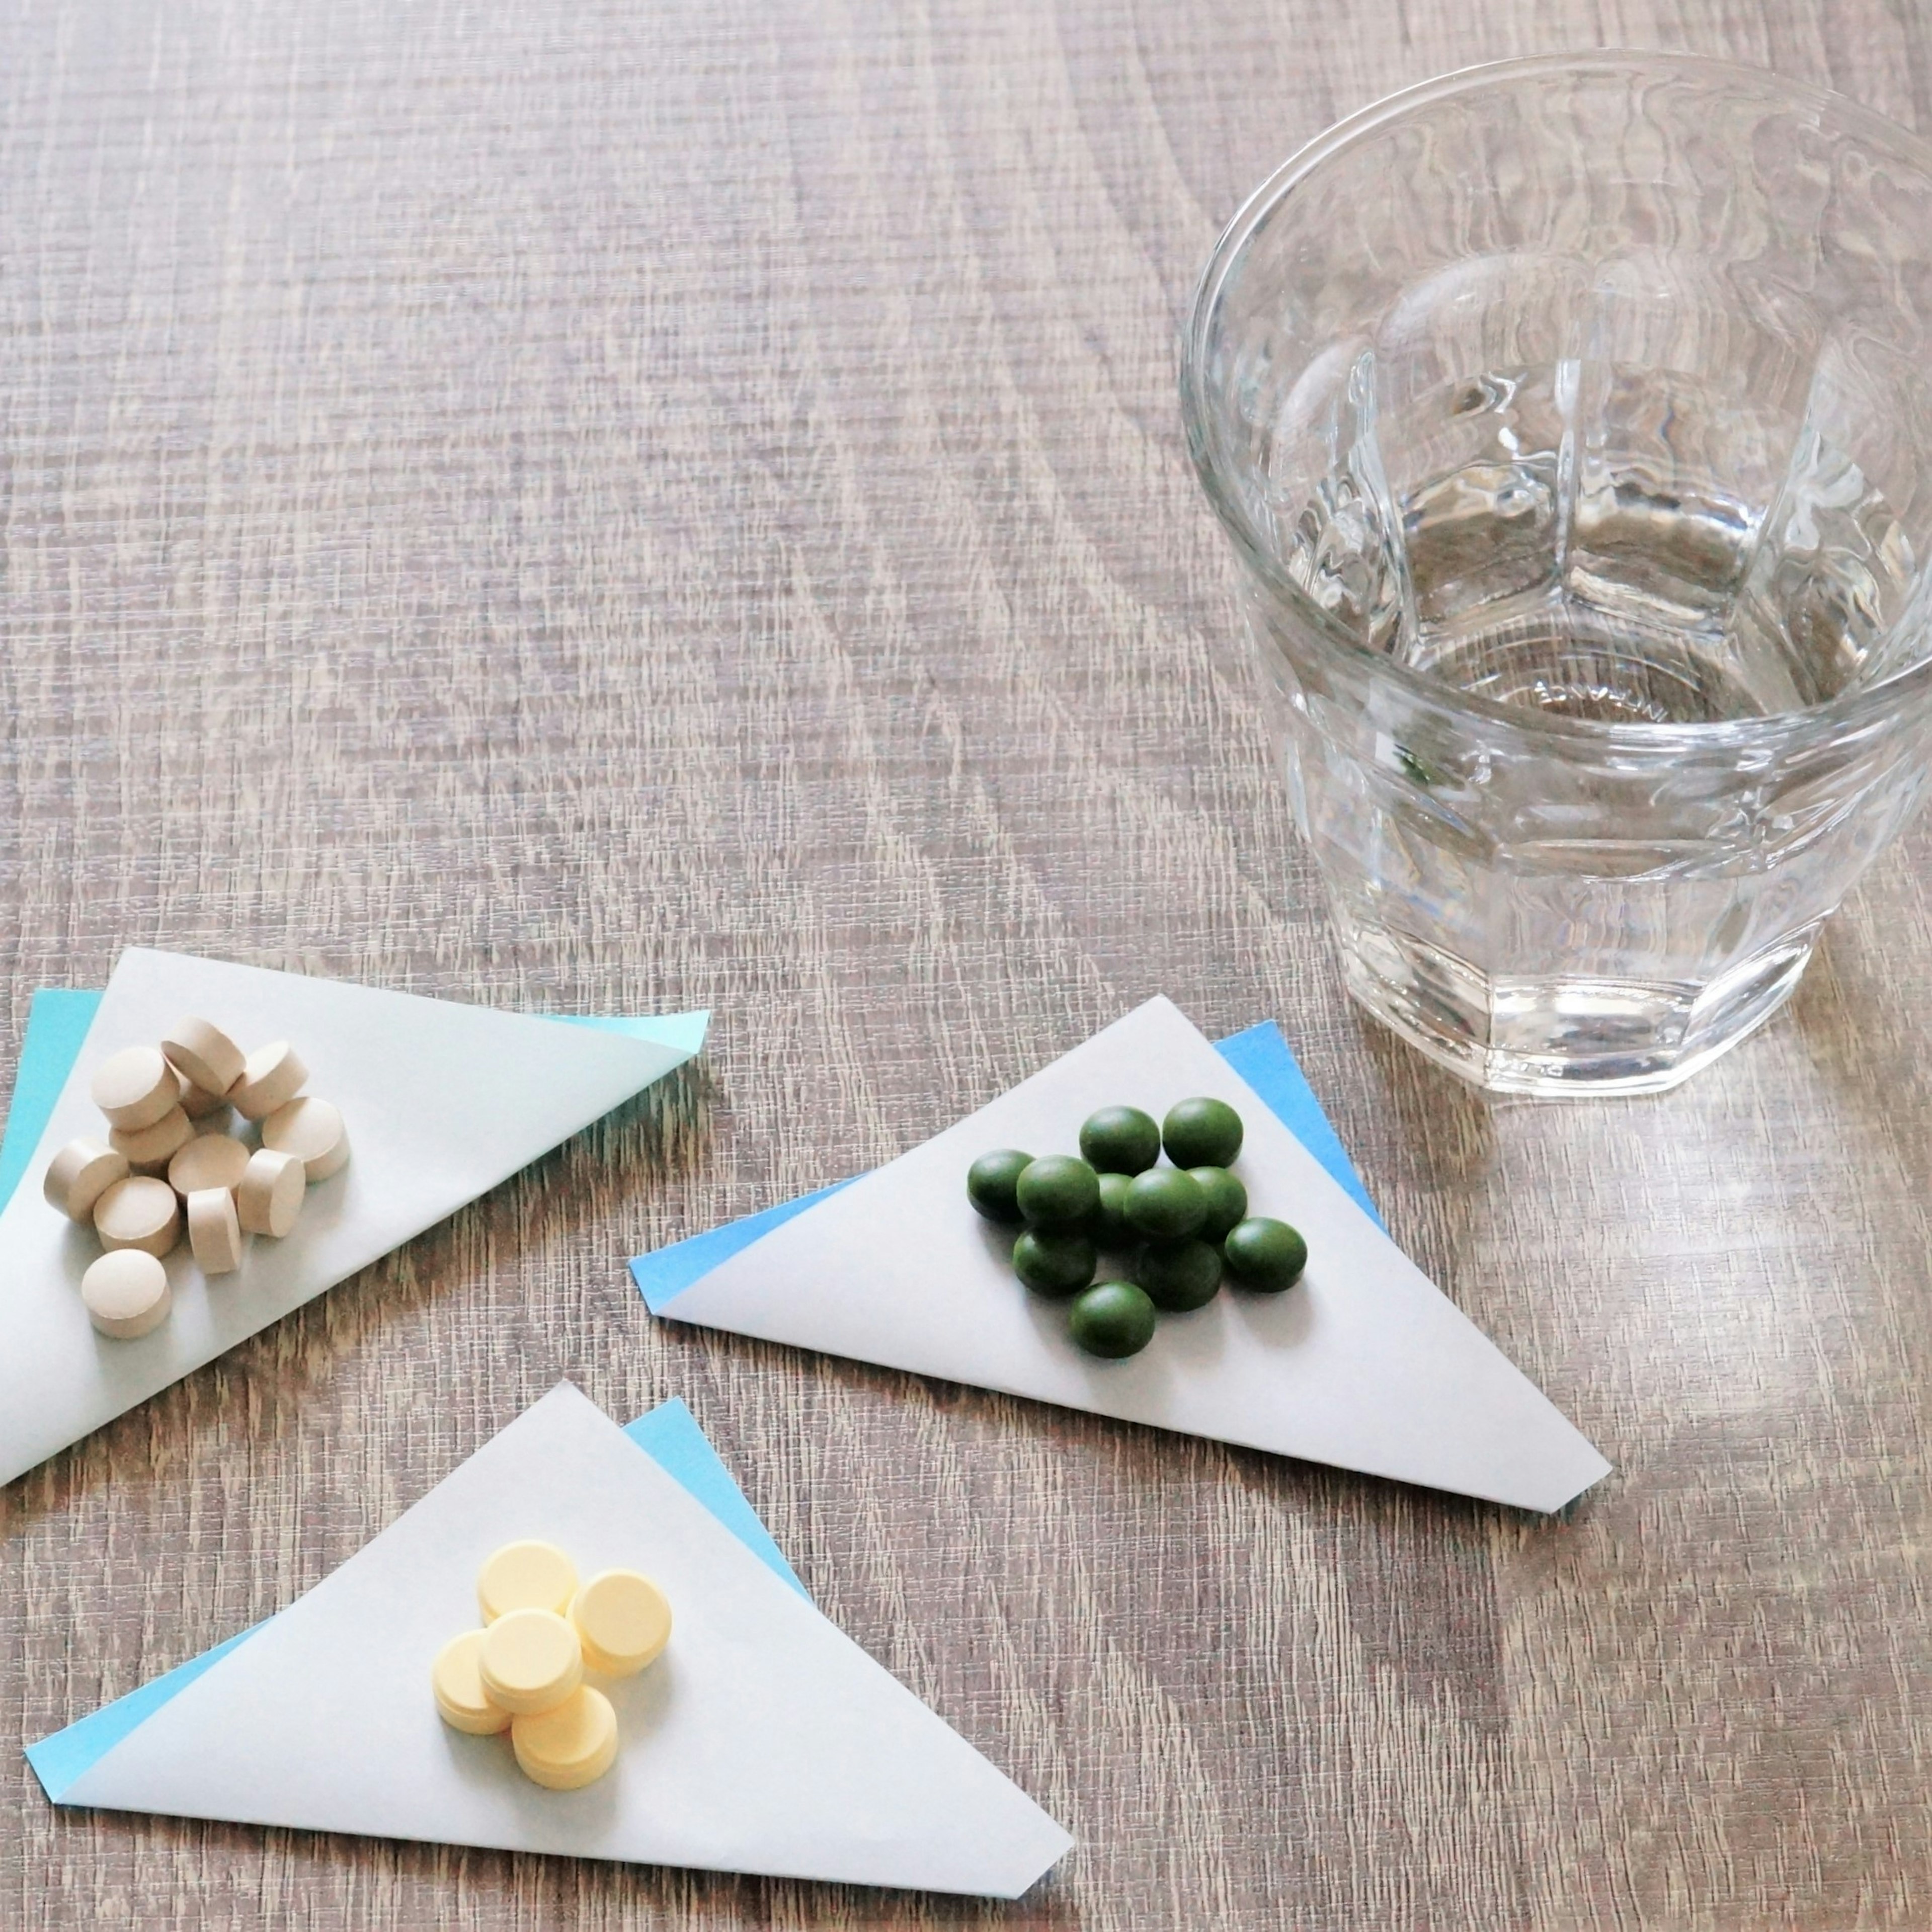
(603, 508)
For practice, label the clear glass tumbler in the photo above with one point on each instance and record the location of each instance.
(1573, 421)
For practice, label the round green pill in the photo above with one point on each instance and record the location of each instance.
(990, 1183)
(1265, 1255)
(1120, 1140)
(1051, 1263)
(1179, 1275)
(1057, 1191)
(1201, 1133)
(1227, 1200)
(1165, 1204)
(1110, 1219)
(1113, 1318)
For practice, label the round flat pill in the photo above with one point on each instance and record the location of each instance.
(1165, 1203)
(1203, 1132)
(1057, 1191)
(312, 1130)
(623, 1621)
(530, 1661)
(269, 1197)
(149, 1150)
(1178, 1275)
(198, 1103)
(203, 1053)
(529, 1576)
(990, 1183)
(1227, 1200)
(1120, 1140)
(126, 1294)
(79, 1175)
(1265, 1255)
(208, 1160)
(139, 1212)
(214, 1231)
(1114, 1319)
(457, 1682)
(566, 1749)
(135, 1087)
(271, 1077)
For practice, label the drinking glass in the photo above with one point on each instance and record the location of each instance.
(1572, 420)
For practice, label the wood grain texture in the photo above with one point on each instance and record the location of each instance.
(601, 508)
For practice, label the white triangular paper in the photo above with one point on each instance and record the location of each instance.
(764, 1740)
(442, 1101)
(1365, 1365)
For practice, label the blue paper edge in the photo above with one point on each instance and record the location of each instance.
(666, 1272)
(57, 1023)
(1261, 1056)
(59, 1016)
(669, 1434)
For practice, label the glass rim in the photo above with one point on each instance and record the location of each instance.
(1761, 733)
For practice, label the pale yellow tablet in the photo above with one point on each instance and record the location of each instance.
(139, 1212)
(458, 1685)
(530, 1661)
(204, 1054)
(525, 1576)
(311, 1129)
(572, 1746)
(271, 1077)
(126, 1294)
(208, 1160)
(623, 1621)
(135, 1087)
(150, 1149)
(214, 1230)
(79, 1175)
(269, 1199)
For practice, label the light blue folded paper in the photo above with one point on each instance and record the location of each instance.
(1260, 1056)
(668, 1434)
(59, 1017)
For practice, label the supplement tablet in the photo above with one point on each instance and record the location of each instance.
(567, 1748)
(990, 1183)
(214, 1230)
(208, 1160)
(529, 1576)
(623, 1621)
(198, 1104)
(126, 1294)
(457, 1682)
(312, 1130)
(135, 1087)
(79, 1175)
(269, 1197)
(1202, 1132)
(150, 1149)
(203, 1053)
(530, 1661)
(270, 1078)
(1120, 1140)
(139, 1212)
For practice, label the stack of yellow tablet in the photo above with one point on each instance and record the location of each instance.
(168, 1154)
(523, 1672)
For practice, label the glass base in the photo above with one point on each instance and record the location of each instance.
(1565, 1036)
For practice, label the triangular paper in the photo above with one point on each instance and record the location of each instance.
(1365, 1365)
(442, 1101)
(764, 1740)
(668, 1434)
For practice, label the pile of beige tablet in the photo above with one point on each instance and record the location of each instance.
(169, 1159)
